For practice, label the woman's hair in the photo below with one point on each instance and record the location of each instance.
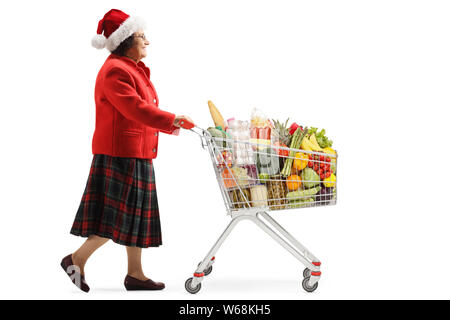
(126, 44)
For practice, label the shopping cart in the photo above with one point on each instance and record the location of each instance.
(253, 185)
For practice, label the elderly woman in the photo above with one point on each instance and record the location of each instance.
(120, 201)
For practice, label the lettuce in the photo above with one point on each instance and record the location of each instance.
(322, 140)
(309, 178)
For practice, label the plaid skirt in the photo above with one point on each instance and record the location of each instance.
(120, 202)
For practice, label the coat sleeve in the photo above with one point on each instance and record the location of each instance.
(119, 88)
(173, 130)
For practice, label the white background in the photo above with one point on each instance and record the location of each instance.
(374, 74)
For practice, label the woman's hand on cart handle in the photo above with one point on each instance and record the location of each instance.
(183, 122)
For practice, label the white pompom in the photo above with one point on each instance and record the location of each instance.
(98, 41)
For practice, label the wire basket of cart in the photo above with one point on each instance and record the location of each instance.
(255, 178)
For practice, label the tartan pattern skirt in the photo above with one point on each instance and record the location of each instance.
(120, 202)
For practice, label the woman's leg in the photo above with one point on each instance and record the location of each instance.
(80, 257)
(135, 264)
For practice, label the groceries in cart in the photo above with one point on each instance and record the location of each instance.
(273, 164)
(262, 165)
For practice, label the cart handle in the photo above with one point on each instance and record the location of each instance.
(185, 124)
(202, 133)
(188, 125)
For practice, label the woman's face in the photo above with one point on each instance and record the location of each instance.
(139, 50)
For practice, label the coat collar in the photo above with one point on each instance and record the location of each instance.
(131, 62)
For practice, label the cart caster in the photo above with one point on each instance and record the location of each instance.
(306, 273)
(207, 271)
(187, 286)
(307, 287)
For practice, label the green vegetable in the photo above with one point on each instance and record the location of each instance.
(302, 194)
(263, 177)
(312, 130)
(219, 136)
(301, 203)
(296, 141)
(309, 178)
(322, 140)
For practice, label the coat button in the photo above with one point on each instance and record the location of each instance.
(154, 100)
(156, 134)
(154, 150)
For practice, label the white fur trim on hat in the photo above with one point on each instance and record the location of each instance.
(126, 29)
(98, 41)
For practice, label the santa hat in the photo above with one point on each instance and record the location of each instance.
(116, 26)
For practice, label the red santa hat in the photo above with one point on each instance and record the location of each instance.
(116, 26)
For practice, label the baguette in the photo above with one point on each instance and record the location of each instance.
(216, 116)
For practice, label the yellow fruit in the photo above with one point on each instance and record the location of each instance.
(329, 151)
(330, 181)
(314, 143)
(300, 161)
(306, 145)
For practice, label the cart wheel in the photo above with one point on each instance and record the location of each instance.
(306, 273)
(187, 286)
(207, 271)
(307, 287)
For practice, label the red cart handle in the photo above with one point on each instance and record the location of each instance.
(186, 124)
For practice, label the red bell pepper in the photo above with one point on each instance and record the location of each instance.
(294, 127)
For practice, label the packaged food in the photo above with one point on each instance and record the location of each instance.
(259, 195)
(237, 197)
(224, 159)
(267, 161)
(230, 123)
(260, 128)
(242, 151)
(276, 192)
(252, 172)
(258, 118)
(231, 127)
(241, 175)
(229, 180)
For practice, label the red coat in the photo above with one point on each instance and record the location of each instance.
(128, 119)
